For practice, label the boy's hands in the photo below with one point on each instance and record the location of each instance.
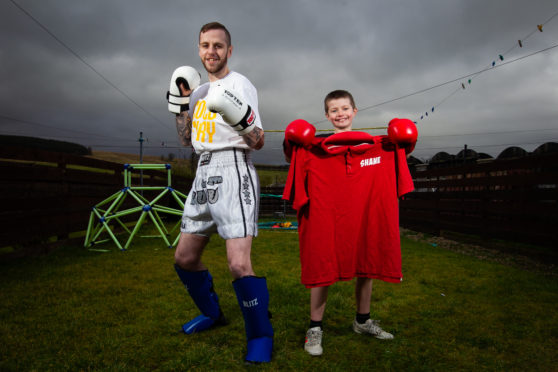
(403, 132)
(298, 132)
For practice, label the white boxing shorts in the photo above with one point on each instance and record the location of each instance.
(225, 196)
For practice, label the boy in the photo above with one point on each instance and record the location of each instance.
(340, 228)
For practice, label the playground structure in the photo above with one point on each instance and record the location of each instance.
(275, 225)
(106, 215)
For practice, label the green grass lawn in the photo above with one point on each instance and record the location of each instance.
(77, 309)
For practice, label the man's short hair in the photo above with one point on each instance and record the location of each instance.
(216, 26)
(336, 94)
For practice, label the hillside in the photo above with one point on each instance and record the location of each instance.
(44, 144)
(269, 175)
(180, 167)
(123, 158)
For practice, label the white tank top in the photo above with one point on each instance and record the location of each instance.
(209, 131)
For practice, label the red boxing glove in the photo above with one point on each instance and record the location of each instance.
(300, 132)
(403, 132)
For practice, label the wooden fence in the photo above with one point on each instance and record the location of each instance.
(505, 199)
(45, 194)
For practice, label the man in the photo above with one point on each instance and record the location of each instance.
(220, 120)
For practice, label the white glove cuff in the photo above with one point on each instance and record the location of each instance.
(177, 100)
(247, 124)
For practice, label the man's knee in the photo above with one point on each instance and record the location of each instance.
(238, 257)
(240, 268)
(184, 259)
(188, 251)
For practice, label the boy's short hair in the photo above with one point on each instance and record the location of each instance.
(216, 26)
(336, 94)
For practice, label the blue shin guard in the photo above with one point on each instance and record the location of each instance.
(253, 298)
(198, 324)
(200, 287)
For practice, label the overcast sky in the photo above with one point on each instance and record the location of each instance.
(96, 72)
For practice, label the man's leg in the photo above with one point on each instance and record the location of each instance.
(238, 257)
(253, 298)
(189, 251)
(198, 281)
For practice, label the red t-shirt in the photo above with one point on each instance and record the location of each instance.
(345, 189)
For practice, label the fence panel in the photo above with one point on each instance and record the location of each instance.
(272, 204)
(507, 199)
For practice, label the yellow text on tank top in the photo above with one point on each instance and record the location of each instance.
(204, 123)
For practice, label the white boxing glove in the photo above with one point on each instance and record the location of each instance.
(190, 78)
(234, 111)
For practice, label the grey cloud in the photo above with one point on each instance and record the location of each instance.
(294, 52)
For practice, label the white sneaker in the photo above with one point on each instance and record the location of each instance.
(313, 343)
(372, 327)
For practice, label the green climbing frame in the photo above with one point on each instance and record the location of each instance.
(108, 214)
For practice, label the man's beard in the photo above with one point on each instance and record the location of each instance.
(216, 68)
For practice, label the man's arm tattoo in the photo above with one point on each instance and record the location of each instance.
(255, 139)
(184, 128)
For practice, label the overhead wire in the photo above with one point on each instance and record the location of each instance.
(449, 81)
(490, 133)
(75, 54)
(520, 41)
